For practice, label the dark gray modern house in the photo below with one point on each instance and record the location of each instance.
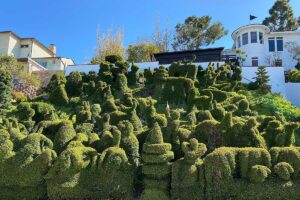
(197, 56)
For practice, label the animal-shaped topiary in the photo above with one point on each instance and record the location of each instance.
(259, 173)
(287, 138)
(63, 136)
(156, 169)
(218, 112)
(152, 116)
(129, 142)
(284, 170)
(187, 173)
(85, 114)
(133, 75)
(116, 171)
(273, 130)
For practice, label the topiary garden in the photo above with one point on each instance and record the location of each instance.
(181, 132)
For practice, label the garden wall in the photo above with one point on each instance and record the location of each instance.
(293, 93)
(277, 80)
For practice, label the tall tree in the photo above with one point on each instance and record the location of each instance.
(141, 52)
(197, 32)
(281, 17)
(162, 37)
(109, 43)
(262, 79)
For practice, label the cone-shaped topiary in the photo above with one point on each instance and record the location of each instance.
(156, 169)
(58, 96)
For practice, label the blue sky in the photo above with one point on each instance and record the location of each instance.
(72, 24)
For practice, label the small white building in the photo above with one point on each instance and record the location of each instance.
(265, 48)
(31, 52)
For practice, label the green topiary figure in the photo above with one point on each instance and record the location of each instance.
(22, 172)
(58, 96)
(283, 170)
(114, 58)
(208, 132)
(74, 84)
(149, 76)
(152, 116)
(6, 87)
(85, 114)
(237, 74)
(116, 171)
(25, 114)
(121, 87)
(210, 76)
(243, 108)
(156, 169)
(226, 129)
(70, 175)
(204, 115)
(56, 80)
(133, 75)
(259, 173)
(273, 132)
(188, 172)
(105, 73)
(218, 112)
(129, 142)
(16, 136)
(252, 135)
(95, 110)
(287, 138)
(63, 136)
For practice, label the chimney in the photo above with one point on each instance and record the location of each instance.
(52, 48)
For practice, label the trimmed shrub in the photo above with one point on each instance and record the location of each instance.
(188, 172)
(113, 58)
(283, 170)
(156, 166)
(259, 173)
(5, 89)
(58, 96)
(74, 84)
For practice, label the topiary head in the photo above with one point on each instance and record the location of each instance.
(284, 170)
(243, 105)
(125, 127)
(175, 115)
(155, 136)
(259, 173)
(251, 123)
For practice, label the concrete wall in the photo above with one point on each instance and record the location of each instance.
(293, 93)
(277, 80)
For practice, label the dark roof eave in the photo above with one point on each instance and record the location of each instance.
(189, 51)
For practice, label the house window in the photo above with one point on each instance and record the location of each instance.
(245, 38)
(279, 44)
(255, 61)
(261, 38)
(239, 42)
(253, 37)
(24, 45)
(271, 45)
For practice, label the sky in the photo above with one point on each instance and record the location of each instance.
(72, 24)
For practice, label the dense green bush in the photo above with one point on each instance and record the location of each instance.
(182, 132)
(5, 89)
(74, 84)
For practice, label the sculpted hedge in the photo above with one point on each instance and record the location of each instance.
(181, 132)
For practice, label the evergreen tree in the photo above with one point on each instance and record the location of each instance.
(281, 17)
(5, 88)
(262, 80)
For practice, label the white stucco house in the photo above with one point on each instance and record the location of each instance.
(263, 47)
(35, 55)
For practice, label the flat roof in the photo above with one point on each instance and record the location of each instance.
(190, 51)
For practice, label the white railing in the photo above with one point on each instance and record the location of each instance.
(34, 66)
